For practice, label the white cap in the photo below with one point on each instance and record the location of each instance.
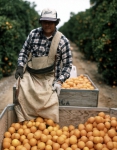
(49, 14)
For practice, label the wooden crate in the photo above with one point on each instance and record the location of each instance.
(68, 115)
(83, 98)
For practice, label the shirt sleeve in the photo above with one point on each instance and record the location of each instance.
(25, 51)
(63, 60)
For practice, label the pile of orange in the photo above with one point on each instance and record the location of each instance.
(80, 82)
(97, 133)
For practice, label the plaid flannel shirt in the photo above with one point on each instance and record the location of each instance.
(39, 46)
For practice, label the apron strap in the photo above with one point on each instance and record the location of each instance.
(54, 45)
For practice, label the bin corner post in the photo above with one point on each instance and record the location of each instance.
(14, 94)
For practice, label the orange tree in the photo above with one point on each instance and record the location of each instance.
(17, 18)
(94, 32)
(104, 14)
(78, 30)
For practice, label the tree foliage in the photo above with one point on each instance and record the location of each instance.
(17, 18)
(94, 32)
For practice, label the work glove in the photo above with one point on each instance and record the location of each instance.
(19, 72)
(57, 87)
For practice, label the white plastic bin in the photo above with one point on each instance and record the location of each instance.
(73, 72)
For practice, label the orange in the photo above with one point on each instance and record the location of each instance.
(49, 142)
(114, 139)
(6, 145)
(102, 133)
(89, 127)
(7, 134)
(91, 120)
(33, 129)
(101, 114)
(56, 146)
(30, 136)
(115, 144)
(106, 139)
(84, 139)
(7, 140)
(37, 134)
(83, 132)
(77, 133)
(73, 140)
(74, 146)
(91, 138)
(60, 140)
(67, 141)
(68, 148)
(52, 133)
(50, 122)
(113, 123)
(26, 131)
(22, 137)
(81, 127)
(81, 144)
(66, 133)
(34, 148)
(100, 126)
(94, 124)
(37, 124)
(41, 145)
(43, 138)
(15, 142)
(11, 148)
(64, 145)
(54, 138)
(19, 147)
(107, 116)
(99, 119)
(89, 144)
(46, 131)
(89, 134)
(97, 140)
(59, 132)
(96, 132)
(71, 133)
(85, 148)
(110, 145)
(17, 126)
(113, 118)
(48, 147)
(50, 128)
(16, 136)
(71, 127)
(32, 141)
(65, 128)
(39, 119)
(25, 141)
(24, 126)
(112, 133)
(29, 124)
(49, 137)
(99, 146)
(20, 131)
(42, 126)
(11, 130)
(27, 146)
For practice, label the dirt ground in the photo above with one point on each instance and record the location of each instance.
(107, 94)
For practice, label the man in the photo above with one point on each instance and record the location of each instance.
(40, 83)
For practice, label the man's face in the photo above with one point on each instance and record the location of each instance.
(48, 27)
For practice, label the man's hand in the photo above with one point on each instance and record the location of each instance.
(57, 87)
(19, 72)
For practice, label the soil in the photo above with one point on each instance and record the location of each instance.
(107, 94)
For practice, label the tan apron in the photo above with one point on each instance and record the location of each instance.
(36, 97)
